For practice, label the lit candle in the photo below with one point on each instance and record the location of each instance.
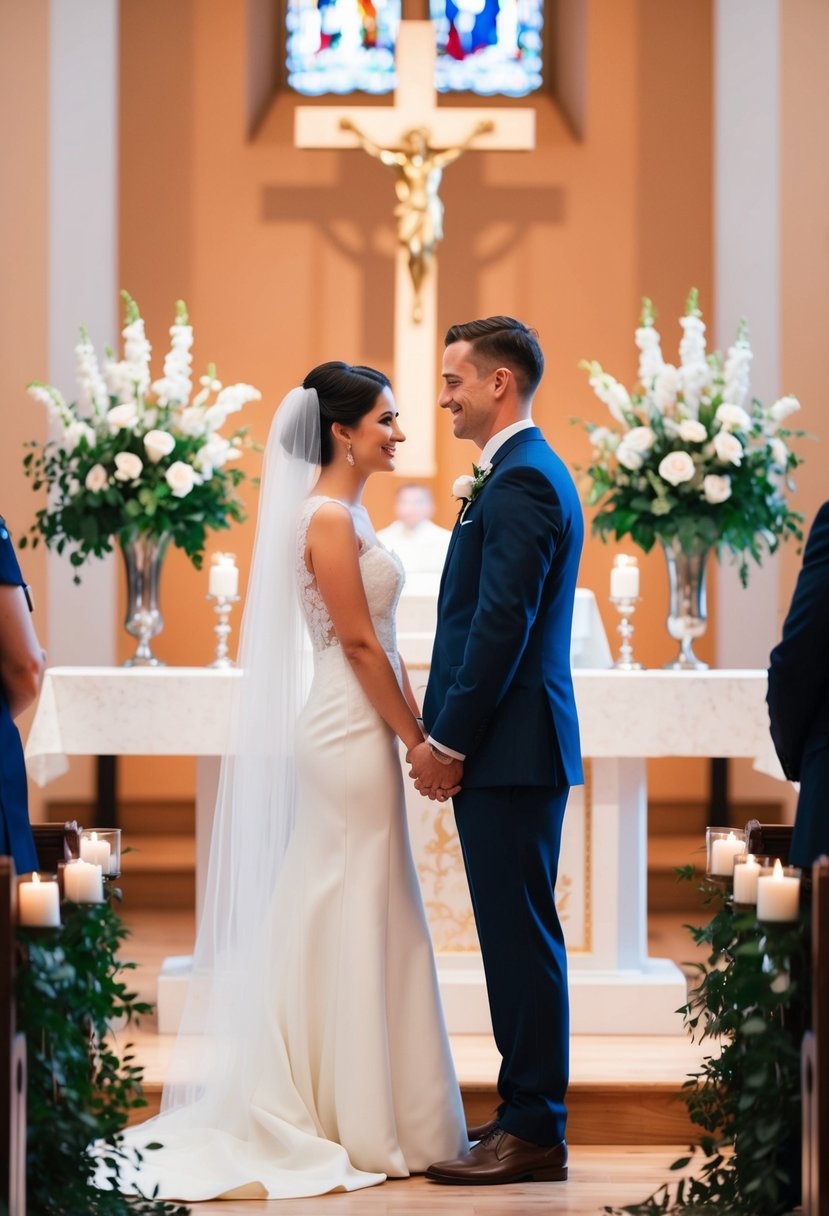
(723, 851)
(82, 882)
(778, 895)
(224, 575)
(746, 874)
(39, 902)
(624, 578)
(97, 852)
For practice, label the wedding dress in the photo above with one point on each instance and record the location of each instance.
(355, 1080)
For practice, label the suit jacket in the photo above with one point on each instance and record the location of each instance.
(798, 695)
(500, 689)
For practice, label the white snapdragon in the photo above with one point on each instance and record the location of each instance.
(175, 385)
(650, 355)
(676, 468)
(137, 351)
(783, 408)
(666, 386)
(122, 417)
(695, 374)
(190, 421)
(209, 384)
(690, 430)
(779, 452)
(52, 398)
(732, 418)
(158, 444)
(128, 466)
(73, 433)
(613, 394)
(93, 399)
(737, 370)
(214, 455)
(97, 478)
(716, 489)
(181, 478)
(215, 417)
(603, 439)
(235, 396)
(728, 448)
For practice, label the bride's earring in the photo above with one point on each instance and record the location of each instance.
(349, 455)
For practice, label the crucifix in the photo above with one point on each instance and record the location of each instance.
(417, 140)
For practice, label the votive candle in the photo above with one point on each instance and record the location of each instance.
(778, 895)
(723, 851)
(96, 851)
(83, 883)
(624, 578)
(39, 902)
(223, 579)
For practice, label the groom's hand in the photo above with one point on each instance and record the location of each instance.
(431, 778)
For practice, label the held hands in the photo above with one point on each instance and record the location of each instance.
(431, 778)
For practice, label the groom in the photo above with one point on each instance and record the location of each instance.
(501, 719)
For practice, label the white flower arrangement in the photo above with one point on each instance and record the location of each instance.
(131, 455)
(689, 454)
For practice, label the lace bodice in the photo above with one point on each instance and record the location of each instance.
(383, 578)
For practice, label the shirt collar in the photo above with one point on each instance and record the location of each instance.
(500, 437)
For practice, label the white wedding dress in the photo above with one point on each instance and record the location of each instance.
(356, 1078)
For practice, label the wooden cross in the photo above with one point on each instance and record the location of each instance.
(415, 108)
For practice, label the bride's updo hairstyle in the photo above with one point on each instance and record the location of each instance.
(346, 394)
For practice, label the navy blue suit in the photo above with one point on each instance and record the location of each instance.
(500, 692)
(798, 696)
(15, 833)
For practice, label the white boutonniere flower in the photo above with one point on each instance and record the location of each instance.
(466, 489)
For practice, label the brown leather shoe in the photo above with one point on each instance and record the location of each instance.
(501, 1157)
(481, 1130)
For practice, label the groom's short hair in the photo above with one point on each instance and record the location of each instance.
(503, 341)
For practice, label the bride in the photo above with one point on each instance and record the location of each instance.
(312, 1055)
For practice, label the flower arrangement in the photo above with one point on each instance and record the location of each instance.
(689, 456)
(133, 456)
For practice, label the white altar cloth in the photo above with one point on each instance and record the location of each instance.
(625, 717)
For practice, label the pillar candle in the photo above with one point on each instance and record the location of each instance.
(96, 851)
(38, 902)
(82, 882)
(624, 578)
(723, 852)
(778, 896)
(746, 874)
(224, 575)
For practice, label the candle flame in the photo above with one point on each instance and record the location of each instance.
(35, 877)
(624, 559)
(732, 839)
(749, 859)
(778, 869)
(94, 837)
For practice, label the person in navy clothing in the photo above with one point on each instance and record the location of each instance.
(501, 720)
(798, 696)
(21, 670)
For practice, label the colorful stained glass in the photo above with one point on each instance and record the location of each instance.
(488, 47)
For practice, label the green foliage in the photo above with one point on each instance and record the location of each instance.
(71, 989)
(746, 1096)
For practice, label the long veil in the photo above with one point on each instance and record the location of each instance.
(216, 1060)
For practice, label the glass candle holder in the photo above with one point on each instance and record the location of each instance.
(721, 847)
(778, 893)
(38, 901)
(102, 847)
(82, 882)
(748, 867)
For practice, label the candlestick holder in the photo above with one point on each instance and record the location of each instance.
(625, 606)
(222, 607)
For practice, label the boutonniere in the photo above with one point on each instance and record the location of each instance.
(466, 489)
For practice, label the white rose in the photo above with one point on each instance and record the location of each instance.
(639, 439)
(779, 452)
(676, 467)
(158, 444)
(122, 417)
(782, 408)
(629, 457)
(96, 479)
(732, 418)
(181, 478)
(128, 466)
(463, 486)
(728, 448)
(715, 488)
(692, 431)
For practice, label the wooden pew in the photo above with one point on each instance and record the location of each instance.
(769, 839)
(815, 1056)
(54, 843)
(12, 1059)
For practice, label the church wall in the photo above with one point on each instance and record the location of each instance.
(285, 257)
(24, 105)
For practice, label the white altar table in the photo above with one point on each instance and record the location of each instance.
(625, 717)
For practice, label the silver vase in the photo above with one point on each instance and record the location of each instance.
(142, 559)
(687, 611)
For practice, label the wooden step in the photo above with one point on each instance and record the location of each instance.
(158, 871)
(665, 853)
(158, 817)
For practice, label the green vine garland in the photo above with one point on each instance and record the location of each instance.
(746, 1098)
(70, 992)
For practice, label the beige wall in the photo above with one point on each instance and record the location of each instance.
(24, 99)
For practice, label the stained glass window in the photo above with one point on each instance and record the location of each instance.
(488, 47)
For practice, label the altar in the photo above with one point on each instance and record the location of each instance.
(625, 718)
